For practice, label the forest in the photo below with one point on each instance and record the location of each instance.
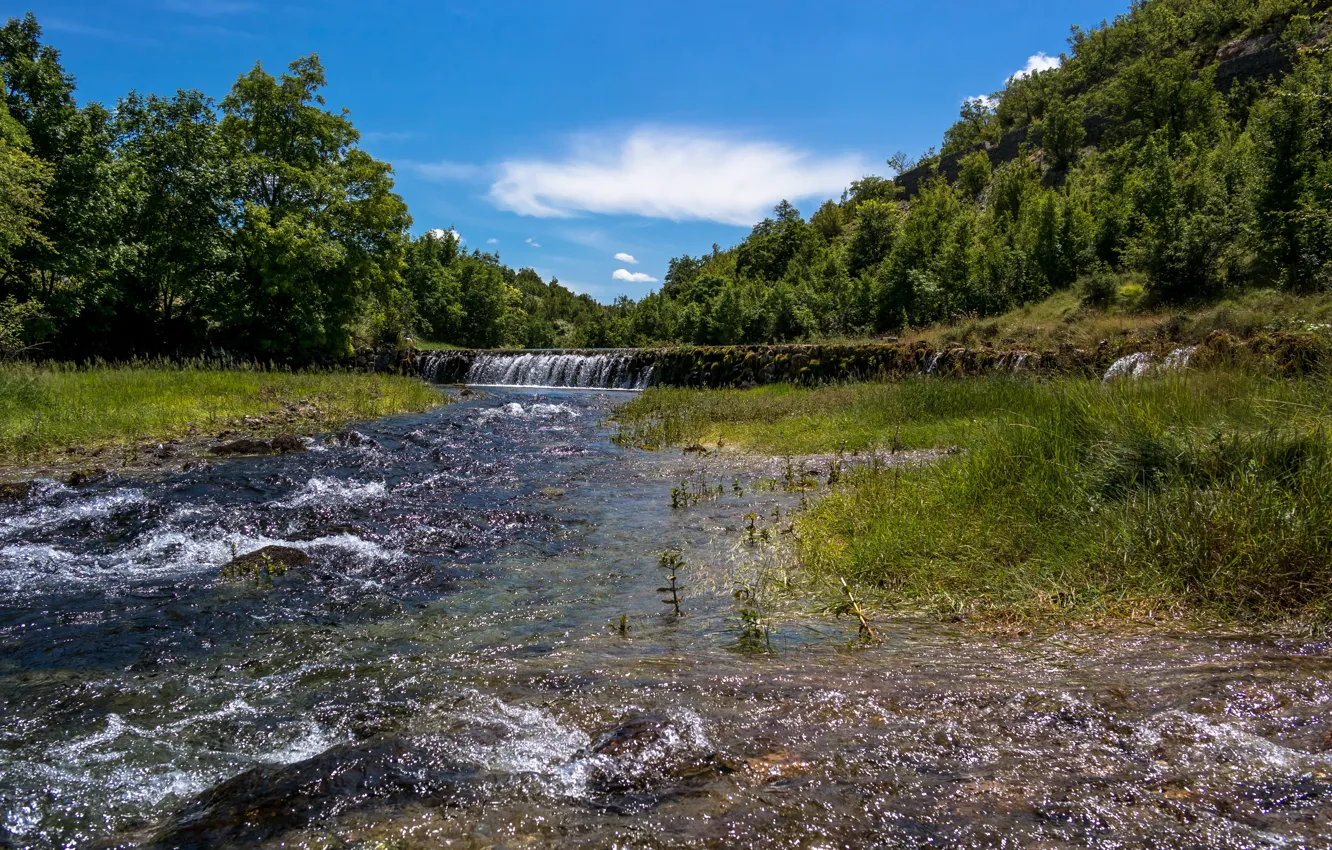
(1177, 154)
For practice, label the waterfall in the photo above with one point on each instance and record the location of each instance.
(621, 370)
(1145, 363)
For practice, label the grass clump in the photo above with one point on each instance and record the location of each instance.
(46, 409)
(1207, 494)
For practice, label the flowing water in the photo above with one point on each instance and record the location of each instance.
(450, 670)
(623, 369)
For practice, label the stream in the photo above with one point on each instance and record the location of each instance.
(478, 655)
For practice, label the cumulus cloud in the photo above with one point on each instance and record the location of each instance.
(440, 234)
(1037, 63)
(626, 258)
(492, 241)
(533, 242)
(633, 277)
(674, 174)
(988, 101)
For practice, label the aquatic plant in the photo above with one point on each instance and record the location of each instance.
(850, 606)
(671, 562)
(755, 625)
(687, 495)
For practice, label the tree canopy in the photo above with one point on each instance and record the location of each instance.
(1183, 145)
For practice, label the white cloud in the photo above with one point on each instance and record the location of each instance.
(533, 242)
(440, 234)
(492, 241)
(1039, 62)
(626, 258)
(988, 101)
(673, 174)
(633, 277)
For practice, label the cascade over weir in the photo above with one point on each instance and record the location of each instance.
(747, 366)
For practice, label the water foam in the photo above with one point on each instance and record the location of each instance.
(325, 491)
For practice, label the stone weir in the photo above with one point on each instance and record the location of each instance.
(741, 366)
(747, 366)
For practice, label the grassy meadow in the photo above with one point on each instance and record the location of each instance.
(1123, 318)
(47, 409)
(1206, 494)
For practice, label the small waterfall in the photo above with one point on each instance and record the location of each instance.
(621, 370)
(1145, 363)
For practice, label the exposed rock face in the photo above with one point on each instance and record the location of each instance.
(385, 359)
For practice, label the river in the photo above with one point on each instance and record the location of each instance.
(478, 655)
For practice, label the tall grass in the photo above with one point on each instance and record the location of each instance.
(1209, 493)
(44, 409)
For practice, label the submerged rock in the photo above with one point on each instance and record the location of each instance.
(269, 800)
(633, 735)
(647, 757)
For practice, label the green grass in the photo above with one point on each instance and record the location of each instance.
(1208, 494)
(1064, 319)
(427, 345)
(46, 409)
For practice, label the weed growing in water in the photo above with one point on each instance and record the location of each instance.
(755, 626)
(687, 495)
(847, 605)
(672, 563)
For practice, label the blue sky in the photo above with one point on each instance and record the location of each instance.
(572, 132)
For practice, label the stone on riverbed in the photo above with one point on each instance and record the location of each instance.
(269, 800)
(17, 491)
(243, 446)
(283, 443)
(285, 557)
(286, 443)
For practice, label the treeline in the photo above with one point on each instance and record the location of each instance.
(255, 226)
(1210, 171)
(1182, 151)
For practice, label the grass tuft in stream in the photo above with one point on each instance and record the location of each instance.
(1207, 494)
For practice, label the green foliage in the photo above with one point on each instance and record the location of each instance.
(258, 226)
(1294, 195)
(1136, 161)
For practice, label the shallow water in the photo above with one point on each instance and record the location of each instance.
(450, 671)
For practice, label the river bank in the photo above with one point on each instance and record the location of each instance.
(1204, 495)
(56, 419)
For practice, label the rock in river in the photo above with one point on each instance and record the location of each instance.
(269, 800)
(285, 557)
(17, 491)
